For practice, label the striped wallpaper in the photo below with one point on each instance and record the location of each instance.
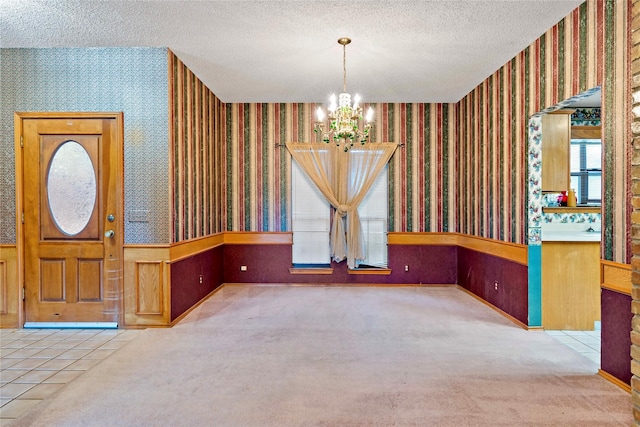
(463, 167)
(585, 50)
(257, 183)
(196, 156)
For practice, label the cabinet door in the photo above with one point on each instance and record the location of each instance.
(556, 137)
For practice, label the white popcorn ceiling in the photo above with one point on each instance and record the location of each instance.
(287, 51)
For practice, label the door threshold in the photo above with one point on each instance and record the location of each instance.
(71, 325)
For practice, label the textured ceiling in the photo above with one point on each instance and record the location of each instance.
(287, 51)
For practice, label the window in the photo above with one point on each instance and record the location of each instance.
(373, 213)
(586, 170)
(311, 221)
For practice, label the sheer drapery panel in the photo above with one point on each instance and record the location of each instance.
(343, 178)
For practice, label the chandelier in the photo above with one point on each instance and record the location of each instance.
(345, 122)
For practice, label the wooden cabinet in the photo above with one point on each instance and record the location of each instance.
(586, 132)
(556, 138)
(570, 285)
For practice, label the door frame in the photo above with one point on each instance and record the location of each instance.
(118, 225)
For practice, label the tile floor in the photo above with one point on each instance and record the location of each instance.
(35, 363)
(586, 343)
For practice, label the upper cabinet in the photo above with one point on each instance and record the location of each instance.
(556, 137)
(586, 132)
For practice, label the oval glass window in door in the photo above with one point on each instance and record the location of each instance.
(71, 188)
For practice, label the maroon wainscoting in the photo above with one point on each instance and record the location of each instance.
(428, 264)
(271, 263)
(478, 272)
(186, 289)
(616, 334)
(265, 263)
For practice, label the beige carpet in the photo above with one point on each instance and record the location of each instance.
(339, 356)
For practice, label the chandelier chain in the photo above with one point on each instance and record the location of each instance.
(344, 67)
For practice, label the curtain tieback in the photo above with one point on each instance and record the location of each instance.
(342, 210)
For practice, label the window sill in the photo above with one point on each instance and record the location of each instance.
(311, 270)
(373, 271)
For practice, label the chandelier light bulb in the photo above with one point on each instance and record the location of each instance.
(320, 114)
(369, 116)
(332, 103)
(356, 101)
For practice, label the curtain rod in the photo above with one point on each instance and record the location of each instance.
(284, 145)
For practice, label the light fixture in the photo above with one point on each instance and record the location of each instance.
(346, 125)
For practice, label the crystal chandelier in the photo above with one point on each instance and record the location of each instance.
(345, 125)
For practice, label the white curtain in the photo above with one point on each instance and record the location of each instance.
(344, 178)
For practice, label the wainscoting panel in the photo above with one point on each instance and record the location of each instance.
(494, 270)
(149, 295)
(146, 286)
(500, 282)
(196, 271)
(9, 292)
(3, 287)
(193, 279)
(615, 363)
(509, 251)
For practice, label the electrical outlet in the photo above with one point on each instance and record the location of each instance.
(201, 278)
(495, 285)
(243, 268)
(406, 268)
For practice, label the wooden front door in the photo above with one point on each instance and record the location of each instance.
(72, 218)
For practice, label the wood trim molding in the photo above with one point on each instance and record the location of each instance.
(258, 238)
(506, 250)
(439, 239)
(615, 276)
(511, 251)
(188, 248)
(488, 304)
(607, 376)
(196, 305)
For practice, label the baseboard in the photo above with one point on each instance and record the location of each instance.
(196, 305)
(607, 376)
(488, 304)
(350, 285)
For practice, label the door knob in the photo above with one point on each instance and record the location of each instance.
(109, 233)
